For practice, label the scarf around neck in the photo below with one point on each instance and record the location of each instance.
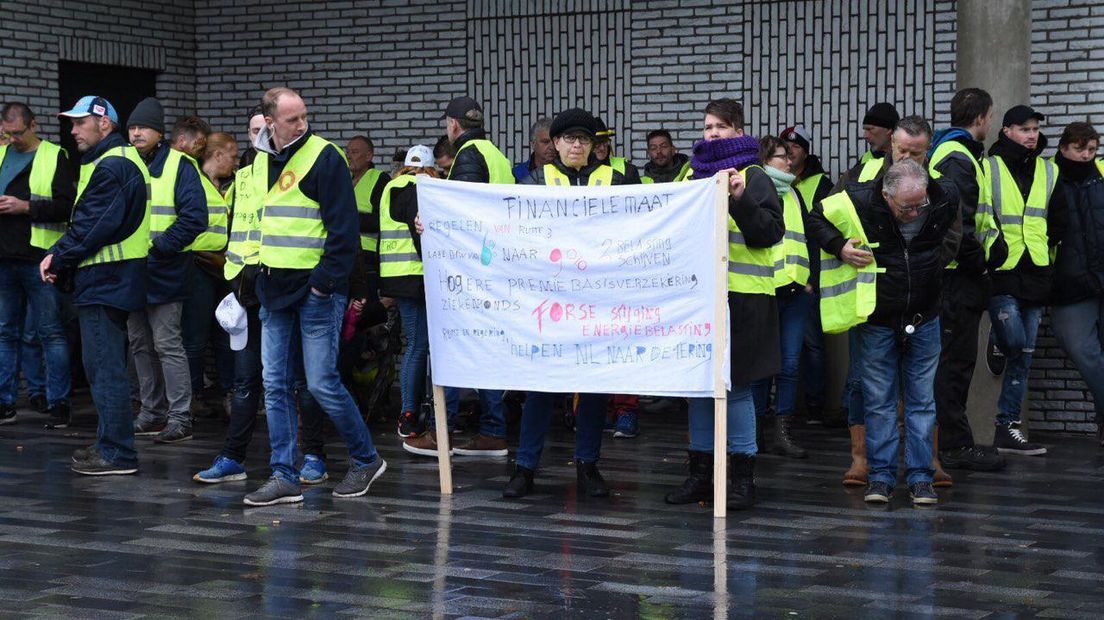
(783, 181)
(712, 156)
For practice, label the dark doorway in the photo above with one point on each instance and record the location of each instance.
(124, 87)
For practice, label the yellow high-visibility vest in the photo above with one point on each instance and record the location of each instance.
(136, 245)
(398, 254)
(1024, 223)
(847, 294)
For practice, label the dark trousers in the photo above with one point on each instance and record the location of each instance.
(965, 298)
(247, 397)
(103, 345)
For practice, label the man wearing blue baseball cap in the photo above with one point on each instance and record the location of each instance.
(103, 255)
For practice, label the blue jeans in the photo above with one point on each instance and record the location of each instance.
(412, 373)
(536, 415)
(1077, 327)
(852, 387)
(891, 362)
(310, 331)
(104, 345)
(197, 319)
(26, 299)
(1015, 326)
(492, 415)
(793, 312)
(741, 422)
(813, 376)
(31, 359)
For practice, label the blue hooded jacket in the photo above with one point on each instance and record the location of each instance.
(110, 210)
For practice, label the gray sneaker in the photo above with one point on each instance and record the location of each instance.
(358, 479)
(173, 433)
(146, 428)
(275, 491)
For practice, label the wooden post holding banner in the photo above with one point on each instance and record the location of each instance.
(720, 337)
(440, 419)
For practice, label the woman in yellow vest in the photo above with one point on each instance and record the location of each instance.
(795, 299)
(220, 160)
(755, 225)
(573, 132)
(400, 249)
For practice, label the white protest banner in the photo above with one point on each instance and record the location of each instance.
(573, 289)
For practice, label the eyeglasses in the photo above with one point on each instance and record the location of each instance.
(920, 208)
(8, 135)
(577, 139)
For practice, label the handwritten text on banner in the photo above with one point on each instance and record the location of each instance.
(571, 289)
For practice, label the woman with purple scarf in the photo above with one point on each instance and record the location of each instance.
(755, 224)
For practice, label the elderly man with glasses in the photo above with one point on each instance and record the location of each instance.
(904, 224)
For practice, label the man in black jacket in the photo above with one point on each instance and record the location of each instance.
(1078, 291)
(36, 198)
(907, 219)
(477, 160)
(956, 155)
(1022, 192)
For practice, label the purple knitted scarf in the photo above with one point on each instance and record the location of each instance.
(712, 156)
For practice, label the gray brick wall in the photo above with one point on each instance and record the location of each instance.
(386, 68)
(132, 33)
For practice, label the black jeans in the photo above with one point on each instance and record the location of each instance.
(965, 298)
(247, 397)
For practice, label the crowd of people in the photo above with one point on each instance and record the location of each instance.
(180, 252)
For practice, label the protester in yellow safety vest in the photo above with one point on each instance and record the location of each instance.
(477, 160)
(36, 200)
(813, 185)
(572, 132)
(189, 136)
(256, 123)
(400, 245)
(178, 215)
(238, 314)
(309, 241)
(1078, 276)
(603, 152)
(794, 294)
(905, 220)
(1032, 218)
(219, 160)
(368, 184)
(956, 156)
(105, 245)
(665, 163)
(755, 224)
(878, 125)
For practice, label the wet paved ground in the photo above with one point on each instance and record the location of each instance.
(1023, 543)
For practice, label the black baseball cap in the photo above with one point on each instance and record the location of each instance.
(460, 106)
(1020, 114)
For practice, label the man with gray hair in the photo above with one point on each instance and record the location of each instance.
(899, 223)
(542, 151)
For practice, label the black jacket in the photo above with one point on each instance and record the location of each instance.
(1026, 281)
(909, 288)
(330, 185)
(754, 318)
(15, 230)
(575, 177)
(958, 169)
(110, 210)
(668, 174)
(470, 164)
(1079, 266)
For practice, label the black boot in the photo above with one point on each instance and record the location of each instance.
(783, 442)
(741, 481)
(699, 486)
(590, 480)
(520, 485)
(761, 434)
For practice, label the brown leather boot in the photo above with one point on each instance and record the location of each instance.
(940, 478)
(856, 475)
